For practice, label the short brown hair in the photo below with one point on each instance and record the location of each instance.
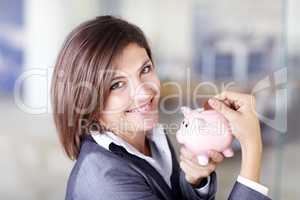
(82, 66)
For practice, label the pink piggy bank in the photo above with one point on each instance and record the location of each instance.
(203, 130)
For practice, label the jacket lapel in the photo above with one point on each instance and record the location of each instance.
(151, 175)
(175, 177)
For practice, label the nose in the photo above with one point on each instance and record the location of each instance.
(142, 92)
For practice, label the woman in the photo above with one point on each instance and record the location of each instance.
(105, 94)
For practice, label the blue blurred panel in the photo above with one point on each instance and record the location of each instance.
(198, 64)
(14, 54)
(11, 55)
(256, 62)
(10, 65)
(11, 11)
(224, 67)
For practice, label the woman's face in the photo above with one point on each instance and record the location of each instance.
(132, 104)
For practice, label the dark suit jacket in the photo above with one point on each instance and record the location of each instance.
(99, 174)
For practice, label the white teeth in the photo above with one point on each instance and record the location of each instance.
(141, 109)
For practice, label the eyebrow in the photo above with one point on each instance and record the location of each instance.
(144, 63)
(117, 77)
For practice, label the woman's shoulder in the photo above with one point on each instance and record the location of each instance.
(94, 158)
(96, 167)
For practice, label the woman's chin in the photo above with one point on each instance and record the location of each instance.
(146, 124)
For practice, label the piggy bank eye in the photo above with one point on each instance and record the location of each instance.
(185, 124)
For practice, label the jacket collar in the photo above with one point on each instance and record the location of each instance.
(151, 175)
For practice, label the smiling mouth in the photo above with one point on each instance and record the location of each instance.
(143, 108)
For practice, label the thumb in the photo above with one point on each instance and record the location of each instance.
(222, 108)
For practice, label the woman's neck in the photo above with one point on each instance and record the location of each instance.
(139, 141)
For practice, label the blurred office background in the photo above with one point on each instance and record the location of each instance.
(253, 44)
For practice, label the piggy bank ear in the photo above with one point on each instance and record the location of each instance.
(185, 110)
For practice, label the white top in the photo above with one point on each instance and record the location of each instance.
(161, 158)
(255, 186)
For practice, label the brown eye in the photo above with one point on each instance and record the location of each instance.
(146, 69)
(117, 85)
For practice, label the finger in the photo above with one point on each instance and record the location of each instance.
(231, 104)
(219, 106)
(189, 178)
(196, 167)
(186, 153)
(231, 95)
(238, 98)
(193, 179)
(193, 159)
(215, 156)
(196, 171)
(188, 170)
(228, 102)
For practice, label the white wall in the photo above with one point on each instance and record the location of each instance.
(47, 23)
(293, 27)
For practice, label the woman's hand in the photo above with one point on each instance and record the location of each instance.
(240, 110)
(194, 172)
